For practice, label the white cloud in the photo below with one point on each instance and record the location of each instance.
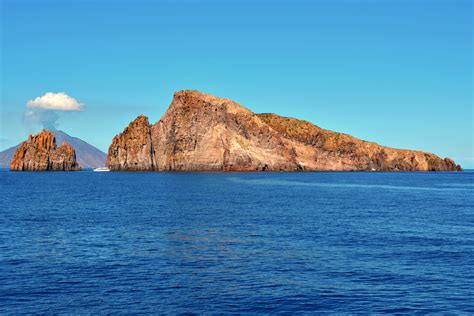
(55, 101)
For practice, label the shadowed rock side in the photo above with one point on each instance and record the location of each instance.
(200, 132)
(40, 153)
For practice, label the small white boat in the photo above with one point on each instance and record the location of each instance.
(101, 169)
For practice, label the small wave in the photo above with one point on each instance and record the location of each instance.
(342, 185)
(457, 185)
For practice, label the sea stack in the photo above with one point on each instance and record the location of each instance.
(201, 132)
(40, 153)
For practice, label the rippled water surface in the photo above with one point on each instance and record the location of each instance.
(88, 242)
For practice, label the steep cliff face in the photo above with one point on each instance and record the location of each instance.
(40, 153)
(87, 156)
(203, 132)
(132, 149)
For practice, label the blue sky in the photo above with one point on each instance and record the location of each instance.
(398, 72)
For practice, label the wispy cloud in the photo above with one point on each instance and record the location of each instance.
(45, 110)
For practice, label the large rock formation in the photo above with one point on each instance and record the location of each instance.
(132, 149)
(40, 153)
(88, 156)
(207, 133)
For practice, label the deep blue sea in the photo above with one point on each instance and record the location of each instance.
(91, 242)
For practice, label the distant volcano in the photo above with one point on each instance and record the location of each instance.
(87, 155)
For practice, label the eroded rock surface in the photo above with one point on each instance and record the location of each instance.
(132, 150)
(201, 132)
(40, 153)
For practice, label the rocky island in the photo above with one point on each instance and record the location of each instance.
(201, 132)
(40, 153)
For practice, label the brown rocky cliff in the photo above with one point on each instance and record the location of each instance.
(39, 153)
(132, 149)
(203, 132)
(321, 149)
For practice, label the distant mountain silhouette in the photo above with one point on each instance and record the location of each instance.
(87, 155)
(6, 156)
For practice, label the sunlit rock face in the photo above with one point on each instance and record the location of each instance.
(40, 153)
(132, 149)
(201, 132)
